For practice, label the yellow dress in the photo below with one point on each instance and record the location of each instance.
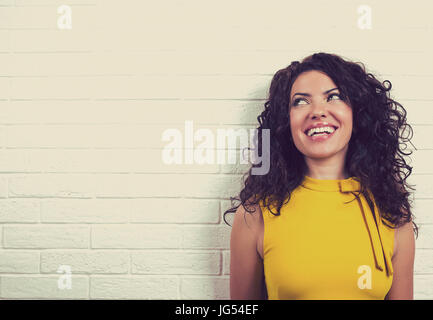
(323, 248)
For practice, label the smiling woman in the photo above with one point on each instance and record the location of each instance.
(332, 218)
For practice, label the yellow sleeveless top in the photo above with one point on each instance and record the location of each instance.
(320, 247)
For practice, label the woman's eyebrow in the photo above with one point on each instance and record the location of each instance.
(309, 95)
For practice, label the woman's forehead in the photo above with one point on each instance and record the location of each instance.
(310, 84)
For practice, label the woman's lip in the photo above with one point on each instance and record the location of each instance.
(321, 137)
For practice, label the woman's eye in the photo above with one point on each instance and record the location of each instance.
(334, 94)
(295, 102)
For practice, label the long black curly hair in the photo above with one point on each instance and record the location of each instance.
(375, 149)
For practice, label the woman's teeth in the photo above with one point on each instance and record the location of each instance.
(321, 130)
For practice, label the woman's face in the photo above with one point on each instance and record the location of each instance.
(322, 107)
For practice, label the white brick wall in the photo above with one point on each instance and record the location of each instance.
(82, 182)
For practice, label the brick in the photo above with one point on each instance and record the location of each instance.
(84, 211)
(172, 185)
(87, 262)
(418, 112)
(85, 136)
(3, 187)
(208, 288)
(133, 287)
(46, 236)
(420, 136)
(226, 262)
(423, 185)
(173, 210)
(5, 41)
(175, 262)
(52, 185)
(52, 40)
(5, 87)
(107, 136)
(4, 113)
(19, 261)
(138, 211)
(19, 211)
(101, 161)
(136, 236)
(71, 64)
(425, 236)
(2, 129)
(423, 287)
(124, 185)
(7, 2)
(206, 237)
(51, 88)
(43, 287)
(421, 162)
(422, 209)
(423, 261)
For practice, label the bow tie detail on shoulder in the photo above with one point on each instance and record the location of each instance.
(381, 256)
(352, 186)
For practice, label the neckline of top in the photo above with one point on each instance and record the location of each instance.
(342, 185)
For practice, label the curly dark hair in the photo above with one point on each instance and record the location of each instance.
(375, 149)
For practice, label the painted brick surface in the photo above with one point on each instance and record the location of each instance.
(83, 186)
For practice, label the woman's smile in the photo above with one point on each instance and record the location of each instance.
(318, 137)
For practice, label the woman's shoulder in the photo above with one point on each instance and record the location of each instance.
(252, 215)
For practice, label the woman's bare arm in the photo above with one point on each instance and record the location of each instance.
(246, 265)
(402, 262)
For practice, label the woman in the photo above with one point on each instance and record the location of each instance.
(331, 219)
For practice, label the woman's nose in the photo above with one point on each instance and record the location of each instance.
(318, 109)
